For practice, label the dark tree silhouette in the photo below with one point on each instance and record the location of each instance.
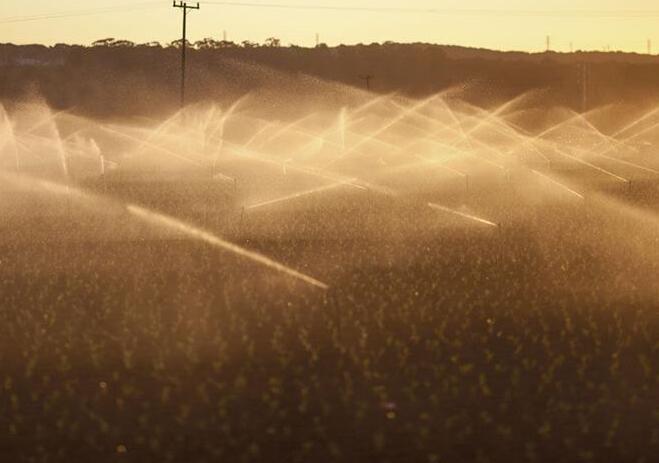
(272, 42)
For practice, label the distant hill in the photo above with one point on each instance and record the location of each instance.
(118, 78)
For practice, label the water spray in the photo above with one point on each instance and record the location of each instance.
(296, 195)
(191, 231)
(559, 184)
(471, 217)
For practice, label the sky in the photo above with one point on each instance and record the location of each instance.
(496, 24)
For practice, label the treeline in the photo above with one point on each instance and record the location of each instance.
(117, 77)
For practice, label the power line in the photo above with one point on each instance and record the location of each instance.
(577, 13)
(80, 13)
(469, 12)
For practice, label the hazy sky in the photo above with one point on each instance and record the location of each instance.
(515, 28)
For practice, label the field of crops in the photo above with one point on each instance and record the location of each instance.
(396, 280)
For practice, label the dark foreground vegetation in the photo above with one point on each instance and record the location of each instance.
(436, 342)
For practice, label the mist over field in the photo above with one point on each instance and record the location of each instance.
(458, 264)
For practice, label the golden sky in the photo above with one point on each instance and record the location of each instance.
(497, 24)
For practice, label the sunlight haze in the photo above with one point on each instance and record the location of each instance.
(495, 24)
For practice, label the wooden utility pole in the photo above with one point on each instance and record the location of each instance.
(184, 44)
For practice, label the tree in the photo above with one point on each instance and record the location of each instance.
(103, 42)
(179, 43)
(122, 43)
(150, 45)
(207, 44)
(227, 44)
(272, 42)
(248, 44)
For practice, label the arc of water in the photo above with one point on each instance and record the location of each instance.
(559, 184)
(606, 139)
(525, 138)
(456, 127)
(296, 195)
(214, 240)
(472, 141)
(10, 135)
(346, 119)
(609, 140)
(553, 128)
(172, 223)
(462, 214)
(266, 126)
(226, 178)
(418, 114)
(285, 128)
(323, 136)
(50, 119)
(222, 128)
(207, 124)
(227, 114)
(634, 123)
(442, 165)
(467, 137)
(591, 165)
(497, 112)
(62, 152)
(630, 164)
(157, 132)
(291, 127)
(159, 148)
(324, 174)
(634, 136)
(392, 122)
(620, 161)
(24, 182)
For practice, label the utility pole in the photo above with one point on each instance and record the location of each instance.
(548, 43)
(184, 45)
(367, 78)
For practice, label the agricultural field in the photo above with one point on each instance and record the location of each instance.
(382, 281)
